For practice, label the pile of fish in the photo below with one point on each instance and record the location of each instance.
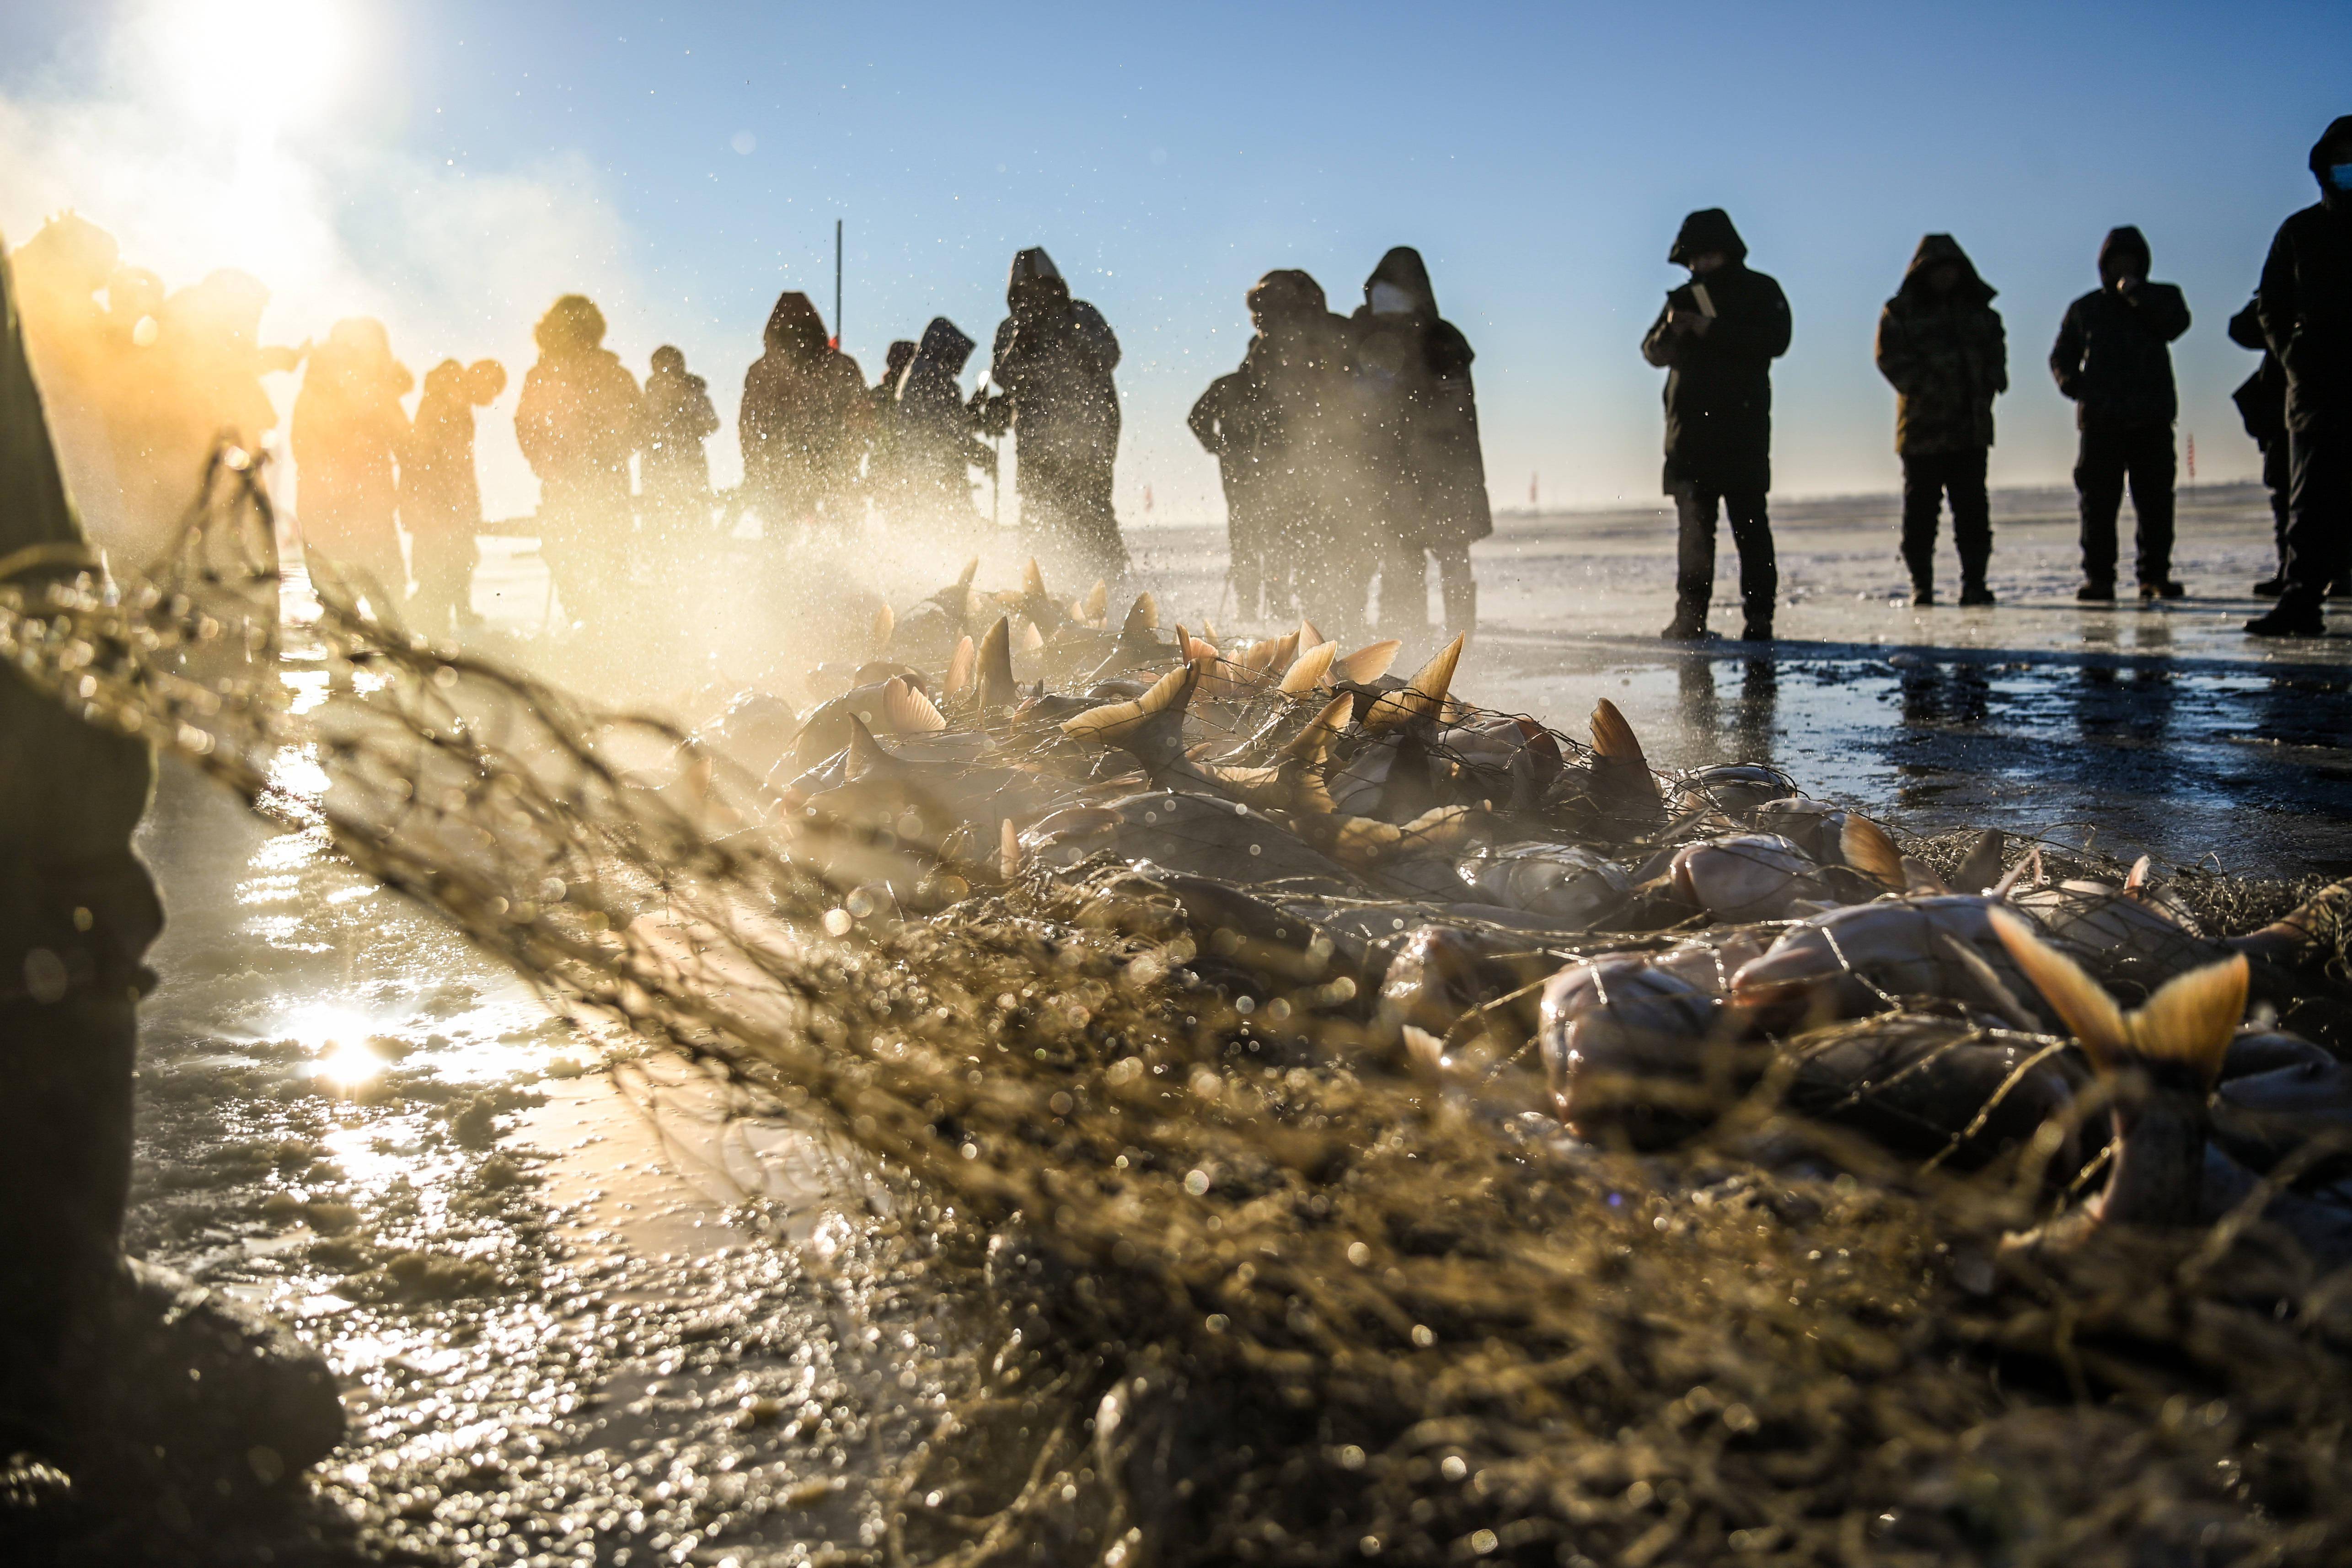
(1379, 873)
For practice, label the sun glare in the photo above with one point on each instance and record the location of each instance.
(257, 64)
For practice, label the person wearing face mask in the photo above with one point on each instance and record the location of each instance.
(2112, 358)
(2306, 307)
(1051, 364)
(1424, 465)
(1941, 346)
(1717, 337)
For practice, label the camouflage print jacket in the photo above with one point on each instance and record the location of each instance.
(1945, 355)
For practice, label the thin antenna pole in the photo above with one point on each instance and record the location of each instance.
(836, 283)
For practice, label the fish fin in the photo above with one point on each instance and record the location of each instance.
(1368, 662)
(1425, 1050)
(886, 621)
(1031, 639)
(1143, 615)
(2017, 873)
(1208, 632)
(2079, 1000)
(1008, 850)
(1355, 840)
(1312, 744)
(1867, 849)
(1255, 786)
(959, 667)
(910, 712)
(1309, 636)
(866, 752)
(1152, 727)
(1423, 697)
(1919, 879)
(1310, 670)
(2138, 879)
(1982, 867)
(2002, 999)
(1442, 828)
(2303, 930)
(1096, 603)
(1033, 581)
(2192, 1018)
(1613, 737)
(994, 666)
(971, 570)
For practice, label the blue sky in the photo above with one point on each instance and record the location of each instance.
(1540, 156)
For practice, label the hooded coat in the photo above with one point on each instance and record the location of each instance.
(1412, 368)
(2306, 299)
(2112, 355)
(1945, 355)
(579, 418)
(440, 494)
(935, 439)
(1054, 366)
(1719, 385)
(804, 415)
(348, 431)
(678, 420)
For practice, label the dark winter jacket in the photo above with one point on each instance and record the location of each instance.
(934, 429)
(1719, 383)
(1421, 410)
(803, 414)
(1945, 355)
(678, 419)
(2305, 301)
(439, 495)
(2111, 356)
(1053, 364)
(2262, 397)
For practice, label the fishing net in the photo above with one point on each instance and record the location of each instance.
(1278, 1300)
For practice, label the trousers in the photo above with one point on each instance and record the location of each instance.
(1928, 477)
(2318, 509)
(1696, 511)
(1404, 587)
(2141, 455)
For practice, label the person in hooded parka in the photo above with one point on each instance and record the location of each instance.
(2112, 358)
(1941, 347)
(1717, 337)
(802, 423)
(674, 475)
(440, 495)
(1425, 467)
(2305, 305)
(886, 484)
(1051, 365)
(579, 421)
(348, 431)
(1301, 365)
(936, 440)
(1230, 425)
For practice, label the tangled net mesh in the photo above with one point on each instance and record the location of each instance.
(1278, 1304)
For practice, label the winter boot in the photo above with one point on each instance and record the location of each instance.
(2096, 593)
(1974, 592)
(2290, 619)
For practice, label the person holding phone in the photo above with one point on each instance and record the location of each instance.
(1716, 339)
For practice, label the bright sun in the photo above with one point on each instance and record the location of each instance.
(258, 66)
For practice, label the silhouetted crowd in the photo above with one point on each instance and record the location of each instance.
(1348, 445)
